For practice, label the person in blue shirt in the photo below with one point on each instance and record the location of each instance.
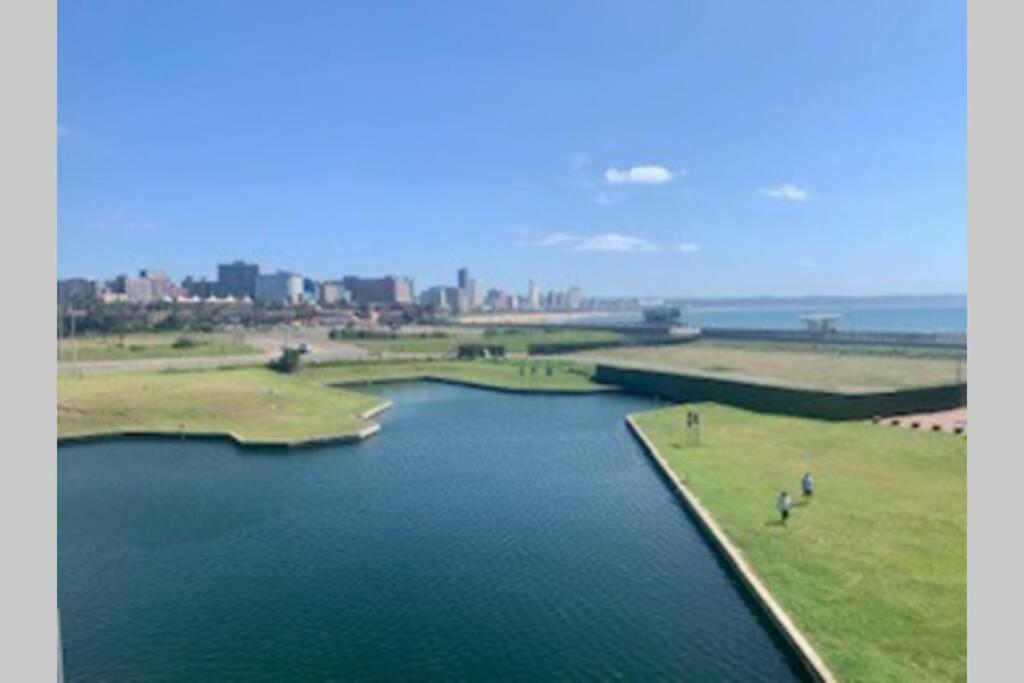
(808, 485)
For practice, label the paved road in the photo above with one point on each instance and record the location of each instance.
(322, 351)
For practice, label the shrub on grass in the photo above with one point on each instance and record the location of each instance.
(471, 351)
(288, 361)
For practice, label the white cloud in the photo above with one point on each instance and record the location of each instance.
(639, 175)
(118, 222)
(607, 198)
(554, 239)
(687, 247)
(613, 241)
(787, 192)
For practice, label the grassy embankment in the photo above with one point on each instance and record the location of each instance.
(513, 375)
(821, 366)
(874, 569)
(147, 346)
(514, 341)
(256, 404)
(261, 406)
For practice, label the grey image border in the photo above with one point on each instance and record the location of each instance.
(994, 466)
(28, 502)
(28, 58)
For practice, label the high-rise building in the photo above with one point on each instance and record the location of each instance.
(161, 285)
(384, 290)
(463, 278)
(76, 290)
(281, 287)
(201, 288)
(474, 293)
(332, 292)
(237, 279)
(574, 298)
(438, 298)
(533, 298)
(138, 290)
(150, 286)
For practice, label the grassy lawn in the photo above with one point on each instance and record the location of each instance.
(255, 403)
(144, 346)
(515, 341)
(840, 368)
(874, 569)
(504, 374)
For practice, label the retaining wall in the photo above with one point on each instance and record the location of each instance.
(785, 626)
(782, 400)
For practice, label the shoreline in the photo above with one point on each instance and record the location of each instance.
(361, 434)
(733, 556)
(365, 432)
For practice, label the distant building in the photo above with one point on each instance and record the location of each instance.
(76, 290)
(574, 298)
(310, 291)
(160, 285)
(384, 290)
(463, 278)
(499, 300)
(237, 279)
(438, 298)
(333, 292)
(474, 293)
(137, 290)
(282, 288)
(202, 288)
(150, 286)
(533, 298)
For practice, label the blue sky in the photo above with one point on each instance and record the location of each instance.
(637, 148)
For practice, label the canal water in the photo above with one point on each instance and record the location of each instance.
(480, 536)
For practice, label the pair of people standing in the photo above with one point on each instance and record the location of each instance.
(785, 501)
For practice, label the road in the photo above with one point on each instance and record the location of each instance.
(322, 350)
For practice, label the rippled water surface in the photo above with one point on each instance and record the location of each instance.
(480, 536)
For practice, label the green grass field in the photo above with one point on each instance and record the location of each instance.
(257, 404)
(260, 405)
(874, 569)
(514, 341)
(503, 374)
(146, 346)
(839, 368)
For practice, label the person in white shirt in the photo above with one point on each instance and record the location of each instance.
(785, 504)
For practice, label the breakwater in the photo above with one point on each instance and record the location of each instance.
(925, 339)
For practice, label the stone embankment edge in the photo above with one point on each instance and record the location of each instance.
(808, 656)
(354, 437)
(597, 389)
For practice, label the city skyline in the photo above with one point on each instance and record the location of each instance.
(696, 157)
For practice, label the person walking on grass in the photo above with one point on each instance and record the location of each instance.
(785, 504)
(807, 483)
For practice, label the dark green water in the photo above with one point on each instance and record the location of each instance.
(480, 536)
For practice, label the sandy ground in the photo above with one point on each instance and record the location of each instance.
(528, 317)
(944, 420)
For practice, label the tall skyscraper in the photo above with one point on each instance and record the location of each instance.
(534, 296)
(463, 278)
(237, 279)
